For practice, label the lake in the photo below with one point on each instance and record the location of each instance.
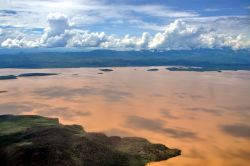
(205, 114)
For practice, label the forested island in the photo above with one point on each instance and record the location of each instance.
(10, 77)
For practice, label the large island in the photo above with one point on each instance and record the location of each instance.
(27, 140)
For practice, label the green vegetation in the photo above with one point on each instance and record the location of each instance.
(12, 124)
(28, 140)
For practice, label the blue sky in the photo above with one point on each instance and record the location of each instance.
(125, 24)
(218, 7)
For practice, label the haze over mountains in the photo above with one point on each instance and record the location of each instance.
(217, 59)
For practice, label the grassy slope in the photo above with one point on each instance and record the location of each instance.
(14, 124)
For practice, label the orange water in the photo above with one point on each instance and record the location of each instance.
(205, 114)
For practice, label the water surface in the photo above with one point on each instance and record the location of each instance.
(206, 114)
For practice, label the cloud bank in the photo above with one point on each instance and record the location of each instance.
(177, 35)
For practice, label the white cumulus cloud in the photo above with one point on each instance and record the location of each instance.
(180, 35)
(57, 34)
(87, 39)
(176, 36)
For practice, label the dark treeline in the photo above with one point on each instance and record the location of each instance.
(223, 59)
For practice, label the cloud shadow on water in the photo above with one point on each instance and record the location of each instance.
(64, 112)
(109, 94)
(195, 154)
(216, 112)
(243, 111)
(237, 153)
(167, 114)
(14, 108)
(237, 130)
(63, 92)
(156, 125)
(184, 95)
(114, 95)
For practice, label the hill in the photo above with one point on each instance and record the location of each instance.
(217, 59)
(27, 140)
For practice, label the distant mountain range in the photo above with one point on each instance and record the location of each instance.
(28, 140)
(217, 59)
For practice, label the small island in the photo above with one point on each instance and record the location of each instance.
(27, 140)
(106, 70)
(196, 69)
(153, 69)
(8, 77)
(36, 74)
